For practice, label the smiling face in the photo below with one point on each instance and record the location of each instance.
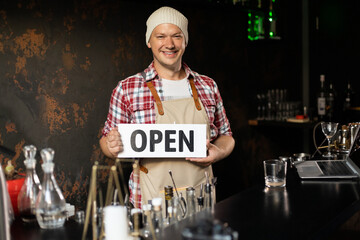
(167, 43)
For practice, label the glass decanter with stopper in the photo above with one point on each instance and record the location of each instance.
(31, 187)
(50, 203)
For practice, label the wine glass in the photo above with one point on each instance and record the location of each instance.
(329, 129)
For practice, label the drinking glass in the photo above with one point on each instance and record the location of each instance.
(329, 129)
(275, 173)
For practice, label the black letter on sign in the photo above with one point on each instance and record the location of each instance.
(143, 142)
(189, 143)
(169, 140)
(153, 141)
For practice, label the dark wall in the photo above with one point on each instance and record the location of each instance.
(60, 60)
(334, 46)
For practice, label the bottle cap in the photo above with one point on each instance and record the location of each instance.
(190, 191)
(47, 155)
(322, 77)
(169, 193)
(156, 201)
(146, 207)
(135, 210)
(29, 151)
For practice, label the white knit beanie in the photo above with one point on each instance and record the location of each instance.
(167, 15)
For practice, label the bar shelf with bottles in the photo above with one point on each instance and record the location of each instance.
(262, 19)
(274, 108)
(335, 105)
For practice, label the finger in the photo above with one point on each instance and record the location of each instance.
(115, 143)
(116, 150)
(113, 137)
(198, 160)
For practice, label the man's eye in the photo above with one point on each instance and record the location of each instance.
(160, 37)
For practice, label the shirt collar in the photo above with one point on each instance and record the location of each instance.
(151, 74)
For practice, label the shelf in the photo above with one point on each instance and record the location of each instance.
(266, 123)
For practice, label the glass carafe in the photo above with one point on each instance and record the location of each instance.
(50, 204)
(31, 187)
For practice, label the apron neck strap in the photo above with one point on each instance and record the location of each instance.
(194, 92)
(157, 98)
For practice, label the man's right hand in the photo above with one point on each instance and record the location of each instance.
(112, 145)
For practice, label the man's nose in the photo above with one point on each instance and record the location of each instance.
(169, 43)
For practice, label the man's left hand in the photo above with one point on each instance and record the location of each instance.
(213, 153)
(220, 149)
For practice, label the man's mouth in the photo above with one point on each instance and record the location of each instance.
(169, 53)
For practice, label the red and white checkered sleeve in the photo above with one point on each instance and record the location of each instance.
(221, 121)
(118, 109)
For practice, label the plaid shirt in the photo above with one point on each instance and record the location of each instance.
(132, 102)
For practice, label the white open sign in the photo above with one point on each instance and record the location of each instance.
(163, 140)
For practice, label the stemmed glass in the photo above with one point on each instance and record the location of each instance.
(329, 129)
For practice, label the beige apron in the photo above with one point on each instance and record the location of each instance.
(185, 173)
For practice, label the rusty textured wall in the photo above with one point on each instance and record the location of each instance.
(60, 60)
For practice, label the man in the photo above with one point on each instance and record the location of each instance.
(168, 91)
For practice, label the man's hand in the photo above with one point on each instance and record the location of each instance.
(212, 155)
(220, 149)
(112, 145)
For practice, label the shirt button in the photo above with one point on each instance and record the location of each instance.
(160, 91)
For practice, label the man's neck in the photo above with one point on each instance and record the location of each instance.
(170, 73)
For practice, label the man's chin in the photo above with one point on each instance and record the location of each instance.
(173, 65)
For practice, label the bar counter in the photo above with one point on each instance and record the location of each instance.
(301, 210)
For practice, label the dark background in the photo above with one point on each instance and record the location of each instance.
(60, 60)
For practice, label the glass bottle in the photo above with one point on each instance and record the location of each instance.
(190, 202)
(175, 212)
(157, 218)
(348, 98)
(50, 203)
(331, 103)
(200, 199)
(209, 197)
(31, 187)
(146, 231)
(321, 99)
(272, 21)
(259, 107)
(169, 193)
